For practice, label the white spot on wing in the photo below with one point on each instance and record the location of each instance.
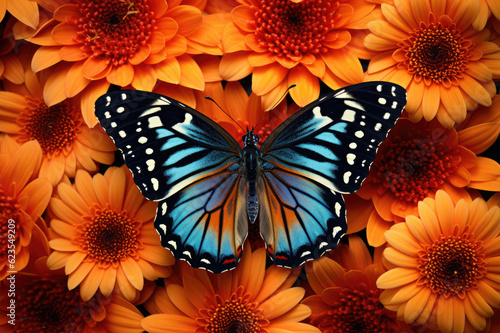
(155, 183)
(359, 134)
(150, 111)
(120, 109)
(142, 139)
(187, 254)
(149, 151)
(113, 124)
(163, 208)
(108, 100)
(163, 227)
(336, 230)
(155, 122)
(124, 96)
(151, 164)
(305, 253)
(350, 158)
(382, 101)
(173, 243)
(206, 261)
(107, 114)
(348, 115)
(323, 244)
(387, 115)
(378, 126)
(353, 145)
(338, 207)
(354, 104)
(347, 175)
(122, 133)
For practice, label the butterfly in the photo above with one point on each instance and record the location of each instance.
(209, 188)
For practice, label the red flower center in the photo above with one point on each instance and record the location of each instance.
(114, 29)
(109, 236)
(48, 306)
(356, 311)
(55, 127)
(436, 53)
(414, 166)
(452, 265)
(290, 29)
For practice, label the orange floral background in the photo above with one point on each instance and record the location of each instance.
(78, 248)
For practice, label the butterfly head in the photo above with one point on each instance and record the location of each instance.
(250, 139)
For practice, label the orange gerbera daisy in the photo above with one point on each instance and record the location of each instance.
(347, 298)
(44, 304)
(283, 43)
(25, 11)
(102, 233)
(431, 49)
(23, 199)
(67, 142)
(92, 44)
(249, 298)
(416, 160)
(245, 109)
(444, 265)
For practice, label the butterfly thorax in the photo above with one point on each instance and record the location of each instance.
(251, 155)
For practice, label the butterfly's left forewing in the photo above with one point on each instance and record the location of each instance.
(321, 151)
(179, 156)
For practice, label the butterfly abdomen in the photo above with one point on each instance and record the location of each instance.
(251, 162)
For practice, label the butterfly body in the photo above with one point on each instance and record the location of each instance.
(209, 188)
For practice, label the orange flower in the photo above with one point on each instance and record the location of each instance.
(283, 43)
(67, 142)
(44, 304)
(249, 298)
(25, 11)
(245, 109)
(416, 160)
(346, 297)
(23, 200)
(444, 265)
(90, 45)
(432, 50)
(102, 233)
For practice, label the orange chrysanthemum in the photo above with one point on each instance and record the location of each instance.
(346, 296)
(67, 142)
(90, 45)
(444, 265)
(432, 50)
(249, 299)
(415, 161)
(284, 43)
(102, 233)
(23, 199)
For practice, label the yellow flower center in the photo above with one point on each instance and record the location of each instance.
(234, 315)
(356, 311)
(55, 127)
(109, 236)
(114, 29)
(290, 29)
(437, 53)
(414, 166)
(48, 306)
(452, 265)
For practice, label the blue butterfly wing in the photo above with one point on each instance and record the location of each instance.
(323, 150)
(191, 165)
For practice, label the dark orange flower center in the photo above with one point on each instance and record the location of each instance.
(8, 210)
(452, 265)
(436, 53)
(290, 29)
(356, 311)
(234, 315)
(114, 29)
(414, 166)
(48, 306)
(55, 127)
(109, 236)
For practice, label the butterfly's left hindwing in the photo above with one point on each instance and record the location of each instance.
(179, 156)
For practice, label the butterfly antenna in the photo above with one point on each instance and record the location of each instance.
(212, 100)
(275, 105)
